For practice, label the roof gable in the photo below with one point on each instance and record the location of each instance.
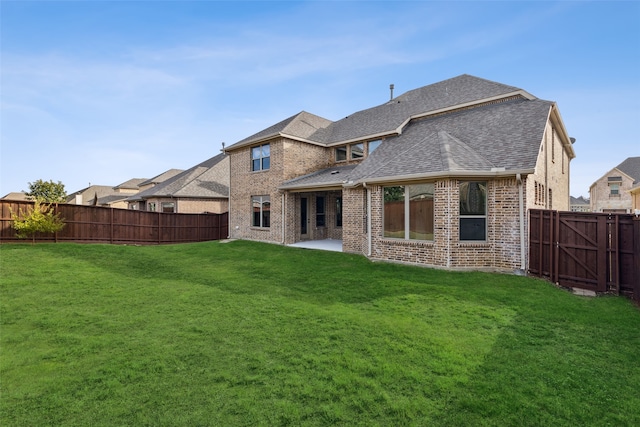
(467, 141)
(299, 126)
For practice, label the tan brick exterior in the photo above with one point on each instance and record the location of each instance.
(551, 173)
(503, 250)
(603, 201)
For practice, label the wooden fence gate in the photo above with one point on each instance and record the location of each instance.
(594, 251)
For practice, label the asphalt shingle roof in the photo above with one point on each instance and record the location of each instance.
(333, 176)
(505, 135)
(631, 166)
(388, 117)
(198, 181)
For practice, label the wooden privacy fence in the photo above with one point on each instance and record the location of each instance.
(95, 224)
(594, 251)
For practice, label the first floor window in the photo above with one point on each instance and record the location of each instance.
(320, 212)
(408, 212)
(152, 206)
(168, 207)
(473, 210)
(339, 212)
(261, 206)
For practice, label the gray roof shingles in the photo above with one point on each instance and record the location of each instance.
(193, 182)
(387, 117)
(499, 135)
(631, 166)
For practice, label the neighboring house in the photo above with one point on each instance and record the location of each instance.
(441, 176)
(635, 198)
(614, 191)
(202, 188)
(579, 204)
(16, 196)
(145, 185)
(104, 195)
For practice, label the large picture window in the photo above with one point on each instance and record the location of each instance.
(261, 206)
(261, 157)
(473, 211)
(408, 212)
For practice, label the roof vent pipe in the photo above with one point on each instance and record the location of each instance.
(391, 89)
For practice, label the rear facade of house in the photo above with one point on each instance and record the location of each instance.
(441, 176)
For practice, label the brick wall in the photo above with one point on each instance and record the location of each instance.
(551, 173)
(601, 198)
(288, 159)
(501, 251)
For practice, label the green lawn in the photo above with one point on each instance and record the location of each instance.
(252, 334)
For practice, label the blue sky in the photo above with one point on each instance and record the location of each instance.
(101, 92)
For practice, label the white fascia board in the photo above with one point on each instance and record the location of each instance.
(435, 175)
(566, 140)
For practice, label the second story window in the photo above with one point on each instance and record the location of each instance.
(341, 154)
(357, 151)
(373, 145)
(614, 190)
(261, 157)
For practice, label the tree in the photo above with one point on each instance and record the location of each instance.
(47, 191)
(39, 218)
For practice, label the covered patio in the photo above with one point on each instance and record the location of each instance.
(323, 245)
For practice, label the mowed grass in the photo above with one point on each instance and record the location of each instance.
(250, 334)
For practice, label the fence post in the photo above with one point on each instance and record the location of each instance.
(636, 258)
(601, 261)
(55, 234)
(111, 226)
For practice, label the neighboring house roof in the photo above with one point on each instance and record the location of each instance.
(131, 184)
(16, 196)
(108, 200)
(197, 182)
(631, 166)
(578, 200)
(161, 178)
(390, 117)
(90, 193)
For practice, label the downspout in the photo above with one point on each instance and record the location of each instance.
(450, 185)
(283, 216)
(521, 209)
(369, 242)
(229, 199)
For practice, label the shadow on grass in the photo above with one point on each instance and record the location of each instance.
(314, 276)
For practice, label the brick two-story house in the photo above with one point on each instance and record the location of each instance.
(616, 191)
(442, 176)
